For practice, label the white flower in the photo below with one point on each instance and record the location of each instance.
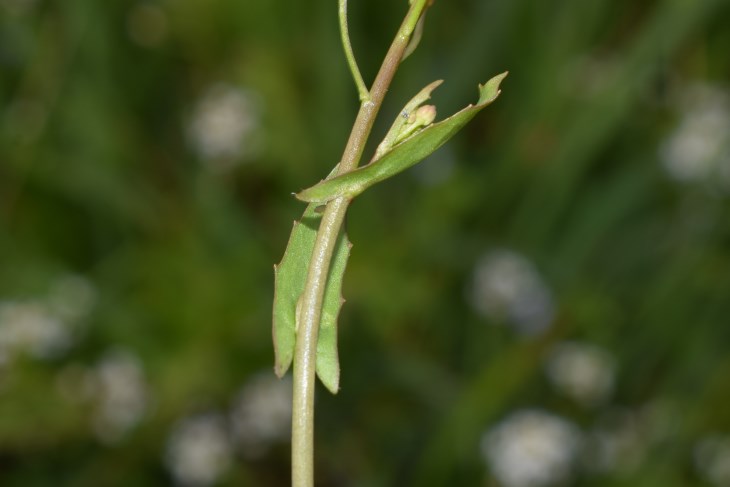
(199, 451)
(44, 328)
(712, 459)
(121, 393)
(507, 286)
(531, 448)
(224, 125)
(582, 371)
(699, 148)
(30, 327)
(262, 413)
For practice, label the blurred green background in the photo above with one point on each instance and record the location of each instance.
(544, 301)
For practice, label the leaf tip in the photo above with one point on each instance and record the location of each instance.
(282, 358)
(280, 371)
(303, 196)
(489, 91)
(434, 85)
(332, 384)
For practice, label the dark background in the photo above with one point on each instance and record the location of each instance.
(557, 276)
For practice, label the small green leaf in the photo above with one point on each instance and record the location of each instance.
(402, 155)
(404, 120)
(290, 277)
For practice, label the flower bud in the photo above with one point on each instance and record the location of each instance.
(425, 115)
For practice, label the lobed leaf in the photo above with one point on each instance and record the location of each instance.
(403, 155)
(290, 277)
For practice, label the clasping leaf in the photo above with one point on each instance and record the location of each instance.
(290, 277)
(402, 155)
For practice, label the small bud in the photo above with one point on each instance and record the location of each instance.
(425, 115)
(417, 120)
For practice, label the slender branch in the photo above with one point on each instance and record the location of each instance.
(362, 90)
(313, 295)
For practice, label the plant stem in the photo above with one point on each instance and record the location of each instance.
(312, 297)
(362, 90)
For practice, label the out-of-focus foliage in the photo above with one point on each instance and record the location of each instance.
(545, 300)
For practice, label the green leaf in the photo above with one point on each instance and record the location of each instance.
(328, 362)
(404, 120)
(403, 155)
(290, 277)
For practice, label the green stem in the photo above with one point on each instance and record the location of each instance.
(362, 90)
(330, 227)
